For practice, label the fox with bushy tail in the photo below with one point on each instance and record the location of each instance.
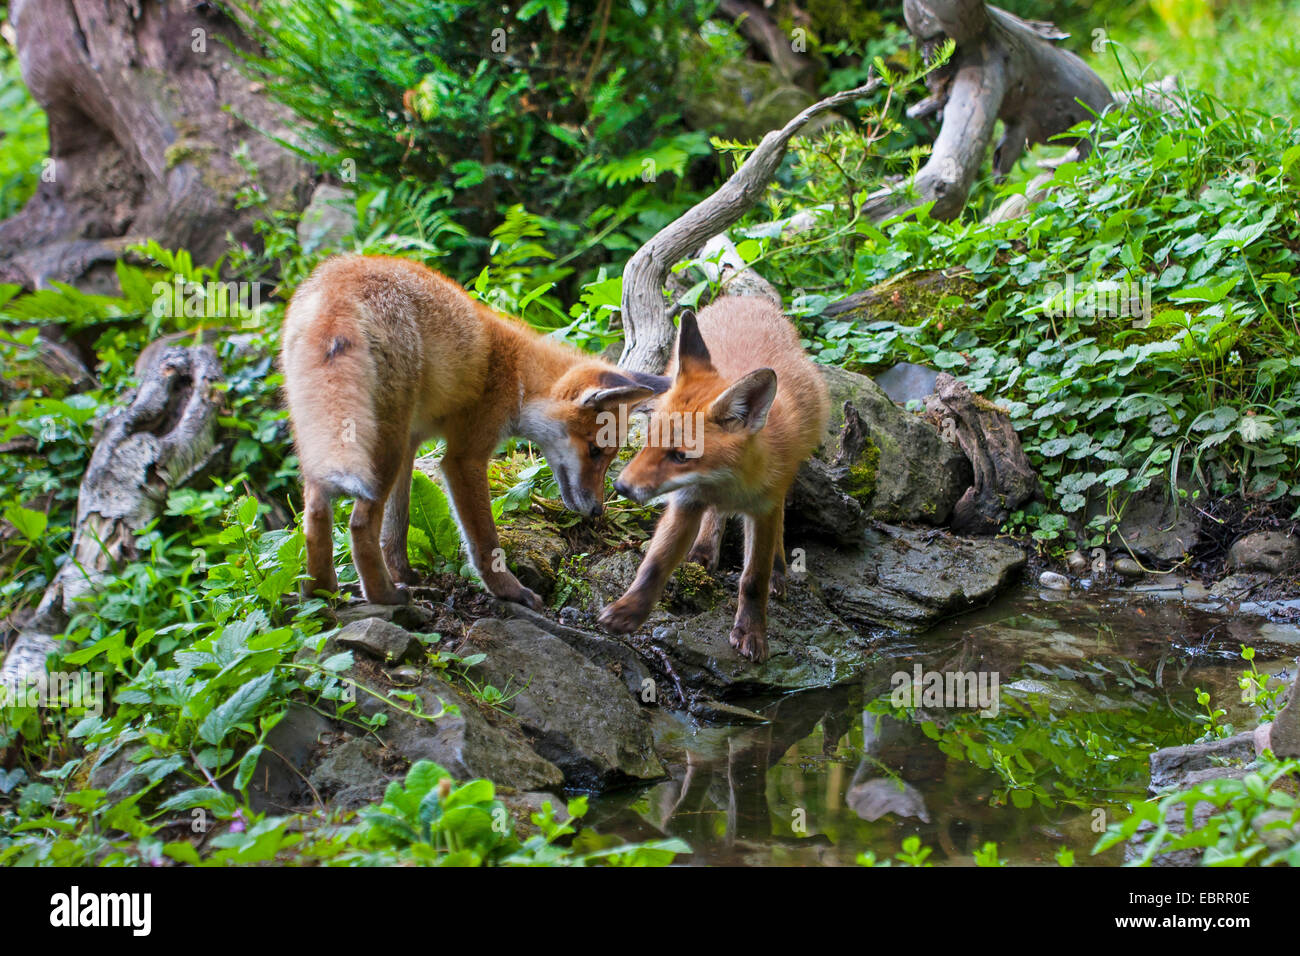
(381, 354)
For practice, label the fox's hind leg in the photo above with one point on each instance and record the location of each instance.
(708, 543)
(366, 526)
(397, 519)
(319, 530)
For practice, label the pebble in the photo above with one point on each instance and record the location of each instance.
(1127, 568)
(1054, 581)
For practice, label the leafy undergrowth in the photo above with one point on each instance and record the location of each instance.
(1139, 324)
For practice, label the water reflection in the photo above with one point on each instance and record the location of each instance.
(1088, 688)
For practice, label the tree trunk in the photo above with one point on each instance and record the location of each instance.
(142, 144)
(1003, 68)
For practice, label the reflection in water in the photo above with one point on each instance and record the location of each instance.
(1088, 689)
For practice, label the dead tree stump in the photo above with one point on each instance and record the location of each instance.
(1004, 68)
(1004, 478)
(163, 435)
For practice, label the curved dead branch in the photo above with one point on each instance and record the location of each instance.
(648, 330)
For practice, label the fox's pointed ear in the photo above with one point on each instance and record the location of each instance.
(658, 384)
(616, 390)
(691, 353)
(744, 406)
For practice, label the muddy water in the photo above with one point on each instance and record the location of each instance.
(1087, 687)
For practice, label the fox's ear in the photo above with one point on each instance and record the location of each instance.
(746, 403)
(691, 350)
(616, 390)
(658, 384)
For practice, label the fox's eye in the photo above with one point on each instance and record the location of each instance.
(594, 450)
(677, 456)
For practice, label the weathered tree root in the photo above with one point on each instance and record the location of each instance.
(1003, 68)
(1004, 479)
(162, 436)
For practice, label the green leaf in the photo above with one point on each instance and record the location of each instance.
(238, 708)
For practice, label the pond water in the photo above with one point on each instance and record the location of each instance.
(1087, 686)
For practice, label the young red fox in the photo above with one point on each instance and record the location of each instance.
(762, 408)
(381, 354)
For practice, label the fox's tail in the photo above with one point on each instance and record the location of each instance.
(330, 379)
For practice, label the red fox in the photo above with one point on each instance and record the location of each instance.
(381, 354)
(762, 409)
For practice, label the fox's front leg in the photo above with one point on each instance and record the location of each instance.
(673, 536)
(468, 484)
(749, 631)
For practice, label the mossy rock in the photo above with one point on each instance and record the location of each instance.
(692, 589)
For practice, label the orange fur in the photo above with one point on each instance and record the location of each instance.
(749, 450)
(381, 354)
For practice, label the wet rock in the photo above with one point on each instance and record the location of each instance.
(1054, 581)
(1171, 767)
(1284, 735)
(523, 804)
(907, 579)
(715, 711)
(1127, 568)
(578, 714)
(1269, 551)
(887, 464)
(808, 647)
(382, 640)
(466, 745)
(876, 798)
(906, 382)
(1237, 587)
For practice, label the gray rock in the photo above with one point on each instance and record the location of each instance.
(1276, 830)
(293, 746)
(1054, 581)
(1171, 766)
(1155, 526)
(604, 651)
(906, 382)
(412, 617)
(903, 470)
(534, 554)
(907, 579)
(1269, 551)
(580, 716)
(353, 763)
(1284, 735)
(329, 218)
(382, 640)
(1127, 568)
(466, 746)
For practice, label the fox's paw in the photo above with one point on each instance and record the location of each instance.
(397, 595)
(777, 586)
(525, 596)
(403, 573)
(750, 640)
(703, 557)
(623, 616)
